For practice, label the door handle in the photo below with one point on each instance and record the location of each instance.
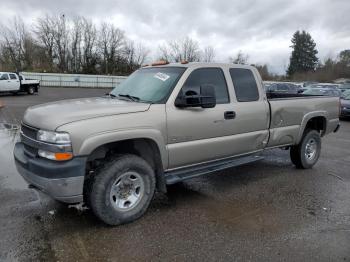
(230, 115)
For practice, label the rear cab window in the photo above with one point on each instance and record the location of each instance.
(13, 77)
(244, 84)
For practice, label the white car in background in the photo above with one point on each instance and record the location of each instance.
(15, 83)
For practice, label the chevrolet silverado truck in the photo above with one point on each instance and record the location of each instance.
(15, 83)
(164, 124)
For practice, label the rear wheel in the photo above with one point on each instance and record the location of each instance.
(305, 155)
(30, 90)
(122, 190)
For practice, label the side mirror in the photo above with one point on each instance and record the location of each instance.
(206, 98)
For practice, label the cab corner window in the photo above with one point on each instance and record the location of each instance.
(244, 84)
(207, 76)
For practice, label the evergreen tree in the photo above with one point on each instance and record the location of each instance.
(344, 57)
(303, 58)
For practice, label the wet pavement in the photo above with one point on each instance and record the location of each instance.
(265, 211)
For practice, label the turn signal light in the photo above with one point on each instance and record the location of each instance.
(63, 156)
(55, 156)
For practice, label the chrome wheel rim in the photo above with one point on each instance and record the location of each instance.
(311, 149)
(127, 191)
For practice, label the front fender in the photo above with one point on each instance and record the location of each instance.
(100, 139)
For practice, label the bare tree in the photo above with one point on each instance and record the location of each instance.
(15, 42)
(175, 51)
(61, 36)
(240, 58)
(208, 54)
(110, 45)
(76, 44)
(136, 54)
(89, 51)
(45, 34)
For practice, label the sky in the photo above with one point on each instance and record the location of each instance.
(262, 29)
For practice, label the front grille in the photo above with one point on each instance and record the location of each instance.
(30, 151)
(29, 131)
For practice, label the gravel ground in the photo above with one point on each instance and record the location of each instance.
(265, 211)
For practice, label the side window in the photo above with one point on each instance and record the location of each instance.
(4, 77)
(207, 76)
(13, 76)
(245, 85)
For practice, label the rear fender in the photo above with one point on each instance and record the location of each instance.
(306, 119)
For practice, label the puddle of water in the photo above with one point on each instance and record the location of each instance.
(9, 178)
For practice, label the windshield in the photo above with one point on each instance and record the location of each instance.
(322, 86)
(149, 84)
(345, 86)
(318, 92)
(346, 97)
(346, 93)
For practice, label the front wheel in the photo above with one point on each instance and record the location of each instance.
(305, 155)
(122, 190)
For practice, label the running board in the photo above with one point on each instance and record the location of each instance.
(175, 176)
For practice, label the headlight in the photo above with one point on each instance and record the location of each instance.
(53, 137)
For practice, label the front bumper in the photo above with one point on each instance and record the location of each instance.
(63, 181)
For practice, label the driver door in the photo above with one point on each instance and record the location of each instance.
(194, 133)
(14, 84)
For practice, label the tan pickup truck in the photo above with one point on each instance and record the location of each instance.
(164, 124)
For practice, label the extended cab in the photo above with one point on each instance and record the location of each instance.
(164, 124)
(15, 83)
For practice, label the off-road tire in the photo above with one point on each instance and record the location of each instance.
(99, 197)
(298, 153)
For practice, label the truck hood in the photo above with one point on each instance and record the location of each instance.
(52, 115)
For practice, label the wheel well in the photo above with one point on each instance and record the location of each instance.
(317, 123)
(142, 147)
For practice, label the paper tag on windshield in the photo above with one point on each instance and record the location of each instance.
(162, 76)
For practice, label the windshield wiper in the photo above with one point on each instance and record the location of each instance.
(132, 98)
(110, 95)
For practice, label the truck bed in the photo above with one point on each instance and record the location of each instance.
(284, 95)
(289, 114)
